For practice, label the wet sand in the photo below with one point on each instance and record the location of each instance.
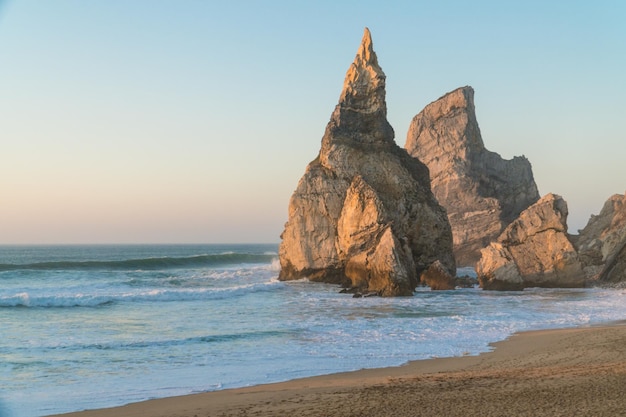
(566, 372)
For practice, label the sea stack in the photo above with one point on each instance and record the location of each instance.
(363, 215)
(602, 243)
(481, 191)
(533, 251)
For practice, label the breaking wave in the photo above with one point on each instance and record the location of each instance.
(223, 259)
(26, 299)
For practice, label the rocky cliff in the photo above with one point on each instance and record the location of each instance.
(481, 192)
(602, 243)
(363, 215)
(533, 251)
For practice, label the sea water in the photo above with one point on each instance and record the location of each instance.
(85, 327)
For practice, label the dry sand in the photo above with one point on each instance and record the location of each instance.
(568, 372)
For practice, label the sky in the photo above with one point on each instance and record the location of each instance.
(152, 121)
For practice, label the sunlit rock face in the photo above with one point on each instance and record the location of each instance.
(533, 251)
(602, 243)
(481, 192)
(363, 214)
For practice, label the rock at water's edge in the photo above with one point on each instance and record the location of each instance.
(437, 277)
(363, 214)
(602, 243)
(533, 251)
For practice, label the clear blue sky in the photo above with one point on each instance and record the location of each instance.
(192, 121)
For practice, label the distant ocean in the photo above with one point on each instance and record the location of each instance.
(85, 327)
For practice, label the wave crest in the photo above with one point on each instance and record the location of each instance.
(223, 259)
(25, 299)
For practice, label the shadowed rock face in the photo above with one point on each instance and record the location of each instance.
(363, 214)
(437, 278)
(481, 192)
(533, 251)
(602, 243)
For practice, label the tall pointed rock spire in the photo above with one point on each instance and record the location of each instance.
(360, 116)
(363, 214)
(364, 85)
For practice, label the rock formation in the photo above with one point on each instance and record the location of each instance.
(602, 243)
(437, 278)
(481, 192)
(533, 251)
(363, 214)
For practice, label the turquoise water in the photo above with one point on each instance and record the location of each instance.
(95, 326)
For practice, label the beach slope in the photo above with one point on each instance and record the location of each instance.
(566, 372)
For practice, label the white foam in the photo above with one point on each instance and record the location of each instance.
(35, 299)
(233, 327)
(275, 266)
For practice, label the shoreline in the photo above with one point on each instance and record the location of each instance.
(571, 371)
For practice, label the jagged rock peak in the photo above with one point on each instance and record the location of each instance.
(364, 84)
(360, 117)
(455, 103)
(481, 191)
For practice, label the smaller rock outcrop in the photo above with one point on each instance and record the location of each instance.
(437, 277)
(614, 270)
(602, 243)
(481, 191)
(533, 251)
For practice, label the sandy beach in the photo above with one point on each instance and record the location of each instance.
(566, 372)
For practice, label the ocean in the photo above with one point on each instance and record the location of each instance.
(85, 327)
